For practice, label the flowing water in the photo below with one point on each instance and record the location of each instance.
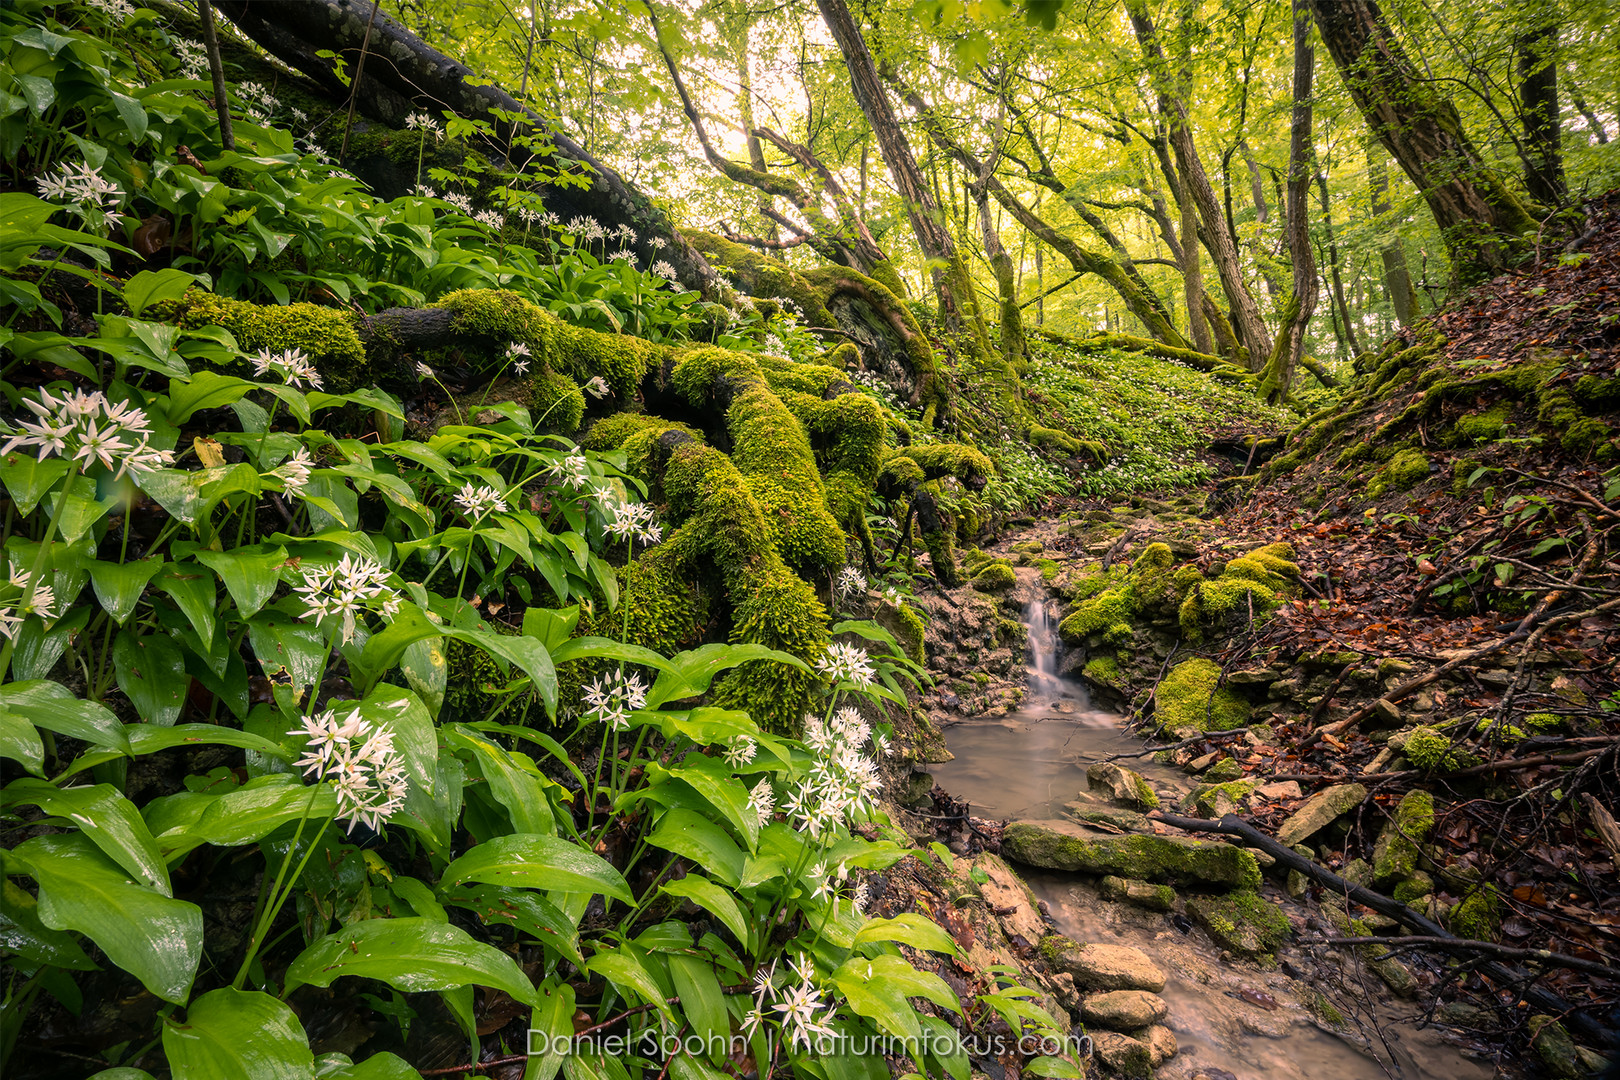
(1239, 1020)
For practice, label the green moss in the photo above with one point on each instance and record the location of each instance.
(1478, 916)
(997, 576)
(1053, 438)
(1242, 921)
(1048, 568)
(1109, 614)
(1208, 800)
(558, 403)
(1426, 748)
(473, 683)
(1542, 722)
(1414, 887)
(1395, 855)
(1209, 604)
(1597, 393)
(1222, 771)
(1189, 698)
(1406, 469)
(1139, 856)
(908, 630)
(327, 335)
(774, 607)
(658, 606)
(1478, 427)
(1103, 670)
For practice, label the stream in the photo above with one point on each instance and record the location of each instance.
(1230, 1019)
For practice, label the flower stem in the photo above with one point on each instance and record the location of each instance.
(39, 563)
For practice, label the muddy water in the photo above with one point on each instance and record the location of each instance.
(1226, 1016)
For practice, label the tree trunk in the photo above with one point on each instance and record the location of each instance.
(1592, 122)
(1250, 326)
(1335, 279)
(956, 303)
(419, 76)
(1397, 282)
(1537, 49)
(1486, 227)
(745, 110)
(1192, 277)
(1290, 345)
(1013, 346)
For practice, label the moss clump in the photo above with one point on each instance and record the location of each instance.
(1048, 568)
(1414, 888)
(1214, 800)
(1222, 771)
(1545, 722)
(658, 606)
(997, 576)
(1478, 427)
(1395, 855)
(907, 627)
(1139, 856)
(1405, 470)
(1478, 916)
(1190, 699)
(1241, 921)
(473, 683)
(327, 335)
(1052, 438)
(1103, 670)
(1426, 748)
(1210, 603)
(1108, 613)
(558, 402)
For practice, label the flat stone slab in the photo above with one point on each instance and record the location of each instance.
(1243, 923)
(1118, 817)
(1065, 845)
(1124, 1010)
(1108, 967)
(1319, 811)
(1141, 893)
(1121, 1053)
(1125, 786)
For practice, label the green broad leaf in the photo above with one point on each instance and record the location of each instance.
(206, 390)
(154, 938)
(522, 791)
(1053, 1066)
(599, 648)
(250, 575)
(242, 1034)
(27, 480)
(385, 648)
(123, 1072)
(540, 739)
(103, 814)
(554, 628)
(897, 974)
(131, 112)
(945, 1046)
(880, 1002)
(155, 286)
(383, 1066)
(22, 933)
(624, 970)
(712, 779)
(77, 510)
(244, 815)
(283, 644)
(176, 490)
(51, 706)
(191, 586)
(716, 901)
(701, 999)
(522, 909)
(152, 672)
(426, 668)
(38, 649)
(21, 214)
(149, 739)
(20, 741)
(552, 1026)
(411, 955)
(690, 673)
(705, 843)
(119, 585)
(538, 862)
(908, 929)
(419, 897)
(527, 654)
(401, 713)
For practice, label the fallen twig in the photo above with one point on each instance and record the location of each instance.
(1491, 948)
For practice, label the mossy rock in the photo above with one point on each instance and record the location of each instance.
(995, 576)
(1428, 748)
(1396, 854)
(1481, 427)
(1189, 700)
(1478, 917)
(1405, 470)
(1242, 922)
(1108, 614)
(1062, 845)
(326, 335)
(1222, 771)
(1103, 671)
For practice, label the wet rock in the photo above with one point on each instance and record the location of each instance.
(1387, 711)
(1005, 893)
(1124, 1010)
(1140, 893)
(1128, 820)
(1125, 785)
(1555, 1048)
(1199, 764)
(1296, 885)
(1066, 993)
(1252, 677)
(1282, 789)
(1224, 770)
(1319, 811)
(1215, 801)
(1243, 922)
(1103, 967)
(918, 790)
(1122, 1054)
(1396, 854)
(1063, 845)
(1161, 1043)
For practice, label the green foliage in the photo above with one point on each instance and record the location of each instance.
(1190, 698)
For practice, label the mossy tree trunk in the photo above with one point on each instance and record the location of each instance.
(416, 75)
(1397, 280)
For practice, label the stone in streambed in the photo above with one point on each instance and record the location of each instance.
(1103, 967)
(1242, 922)
(1124, 785)
(1122, 1054)
(1124, 1010)
(1064, 845)
(1161, 1043)
(1395, 855)
(1118, 817)
(1140, 893)
(1319, 811)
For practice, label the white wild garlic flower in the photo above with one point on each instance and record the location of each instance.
(83, 192)
(851, 582)
(294, 472)
(597, 387)
(571, 469)
(346, 590)
(88, 429)
(424, 372)
(421, 121)
(611, 698)
(662, 269)
(846, 663)
(359, 760)
(762, 801)
(290, 366)
(740, 751)
(477, 503)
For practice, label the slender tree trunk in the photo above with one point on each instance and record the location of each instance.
(1290, 346)
(1013, 345)
(1251, 327)
(1486, 227)
(745, 111)
(1537, 50)
(1397, 282)
(956, 302)
(1192, 277)
(1592, 122)
(216, 70)
(1335, 277)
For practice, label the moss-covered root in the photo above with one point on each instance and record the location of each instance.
(772, 452)
(913, 471)
(327, 336)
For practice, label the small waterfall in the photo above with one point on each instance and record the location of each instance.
(1044, 680)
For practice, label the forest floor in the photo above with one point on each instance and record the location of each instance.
(1434, 612)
